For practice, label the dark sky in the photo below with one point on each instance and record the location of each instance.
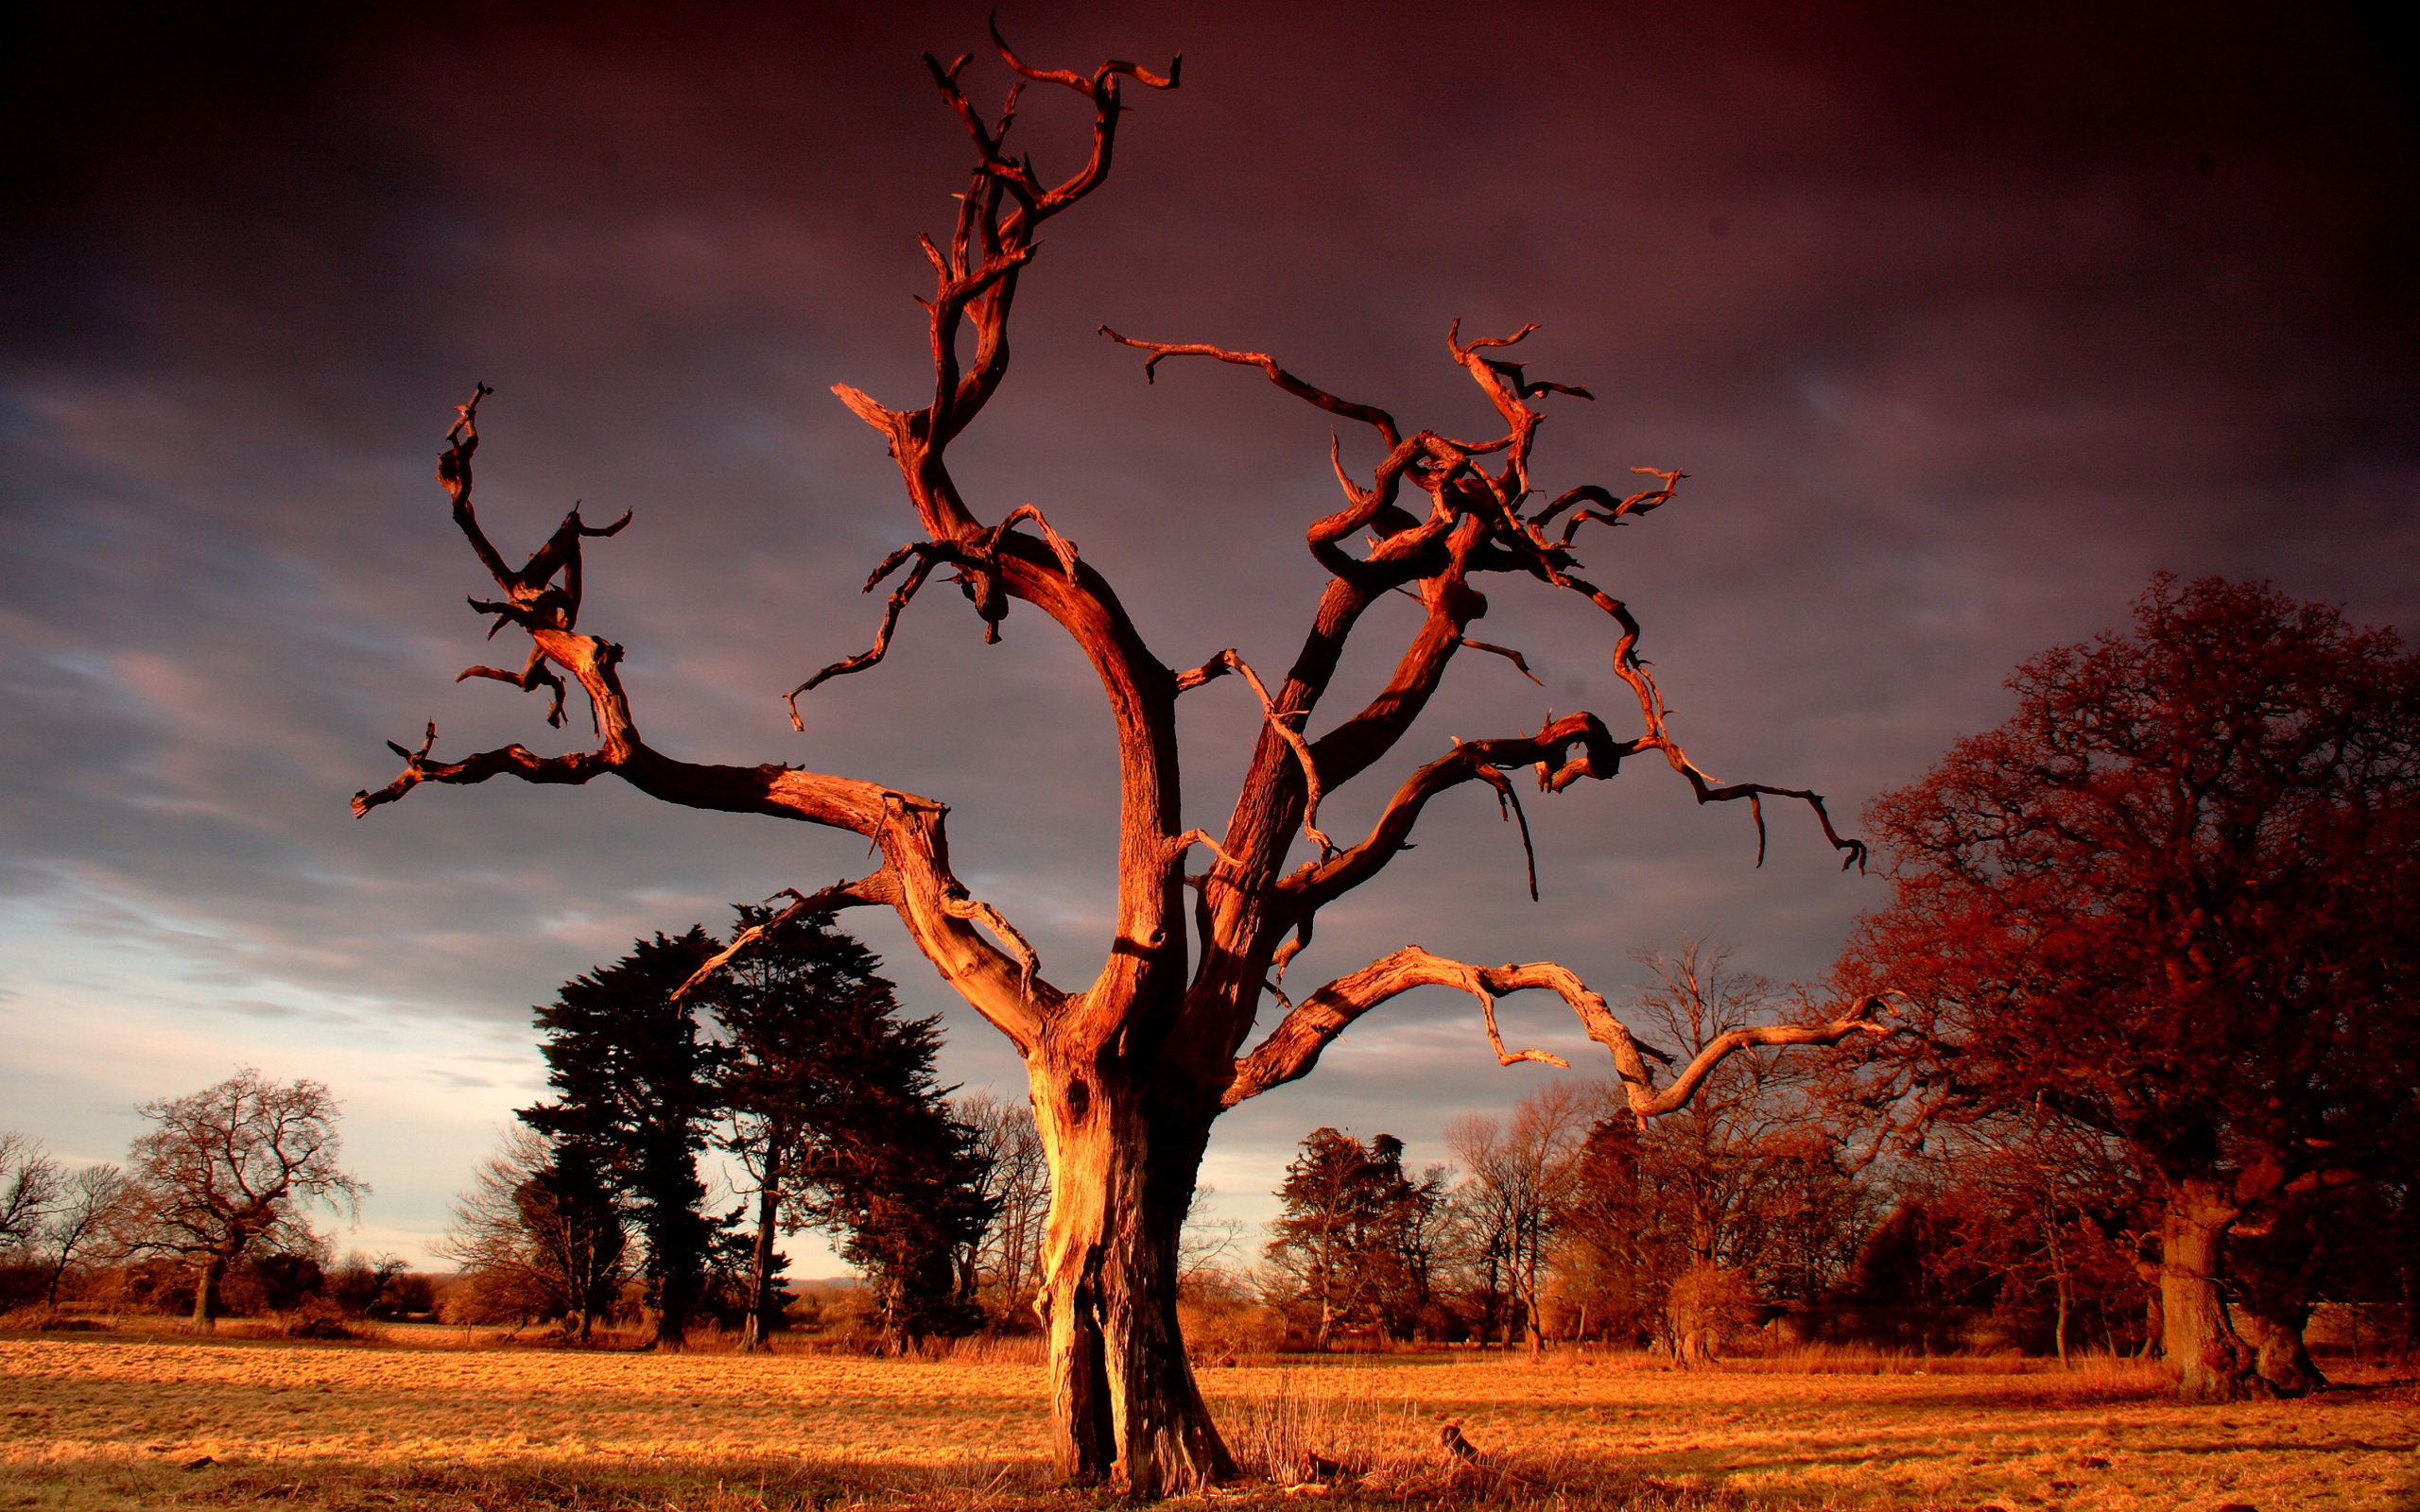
(1965, 319)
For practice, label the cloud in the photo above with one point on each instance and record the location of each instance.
(1963, 323)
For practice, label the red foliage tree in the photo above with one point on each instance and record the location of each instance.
(2174, 900)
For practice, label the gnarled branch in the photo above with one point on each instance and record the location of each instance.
(1281, 722)
(1293, 1048)
(882, 887)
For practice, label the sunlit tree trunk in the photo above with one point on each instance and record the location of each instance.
(2196, 1335)
(207, 1276)
(1129, 1073)
(1124, 1405)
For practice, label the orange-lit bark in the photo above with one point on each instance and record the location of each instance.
(1129, 1073)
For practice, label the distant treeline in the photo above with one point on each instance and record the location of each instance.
(1762, 1213)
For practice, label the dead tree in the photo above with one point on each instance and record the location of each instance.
(1130, 1071)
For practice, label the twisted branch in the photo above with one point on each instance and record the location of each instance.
(1282, 723)
(881, 887)
(1293, 1049)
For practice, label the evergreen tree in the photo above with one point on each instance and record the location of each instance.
(636, 1092)
(834, 1109)
(1353, 1238)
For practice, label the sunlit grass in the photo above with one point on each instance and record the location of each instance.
(101, 1421)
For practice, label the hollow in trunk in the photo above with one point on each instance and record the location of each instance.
(1124, 1407)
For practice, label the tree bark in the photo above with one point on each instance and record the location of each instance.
(1124, 1406)
(760, 1272)
(206, 1293)
(1128, 1073)
(2281, 1364)
(2277, 1264)
(2213, 1364)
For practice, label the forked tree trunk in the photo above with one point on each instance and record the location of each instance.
(1128, 1073)
(1124, 1408)
(2197, 1336)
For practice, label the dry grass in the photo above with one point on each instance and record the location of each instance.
(96, 1421)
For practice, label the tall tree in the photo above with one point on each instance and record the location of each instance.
(635, 1084)
(1353, 1235)
(231, 1172)
(1516, 1178)
(1608, 1259)
(88, 1218)
(809, 1029)
(903, 1183)
(1130, 1071)
(1749, 1177)
(1017, 1182)
(2175, 899)
(834, 1111)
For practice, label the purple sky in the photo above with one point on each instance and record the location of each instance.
(1964, 320)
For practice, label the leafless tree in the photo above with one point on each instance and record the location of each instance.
(1516, 1178)
(1130, 1070)
(89, 1216)
(1018, 1180)
(30, 1184)
(1716, 1155)
(535, 1244)
(232, 1170)
(1743, 1180)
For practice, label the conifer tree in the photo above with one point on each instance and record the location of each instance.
(1351, 1240)
(635, 1093)
(834, 1109)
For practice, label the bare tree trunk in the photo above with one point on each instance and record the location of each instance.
(206, 1293)
(2197, 1338)
(760, 1272)
(1525, 1277)
(2278, 1268)
(2059, 1278)
(2281, 1364)
(1124, 1408)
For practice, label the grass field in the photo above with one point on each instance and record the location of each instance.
(104, 1421)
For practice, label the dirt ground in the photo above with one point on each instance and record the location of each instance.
(98, 1421)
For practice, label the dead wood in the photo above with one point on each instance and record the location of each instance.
(1129, 1071)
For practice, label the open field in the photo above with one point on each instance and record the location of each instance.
(100, 1421)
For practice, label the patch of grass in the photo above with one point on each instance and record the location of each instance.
(104, 1421)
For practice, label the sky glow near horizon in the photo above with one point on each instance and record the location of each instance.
(1962, 325)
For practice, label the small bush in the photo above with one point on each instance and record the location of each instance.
(316, 1318)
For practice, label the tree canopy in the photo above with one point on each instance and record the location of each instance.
(231, 1171)
(634, 1092)
(2175, 899)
